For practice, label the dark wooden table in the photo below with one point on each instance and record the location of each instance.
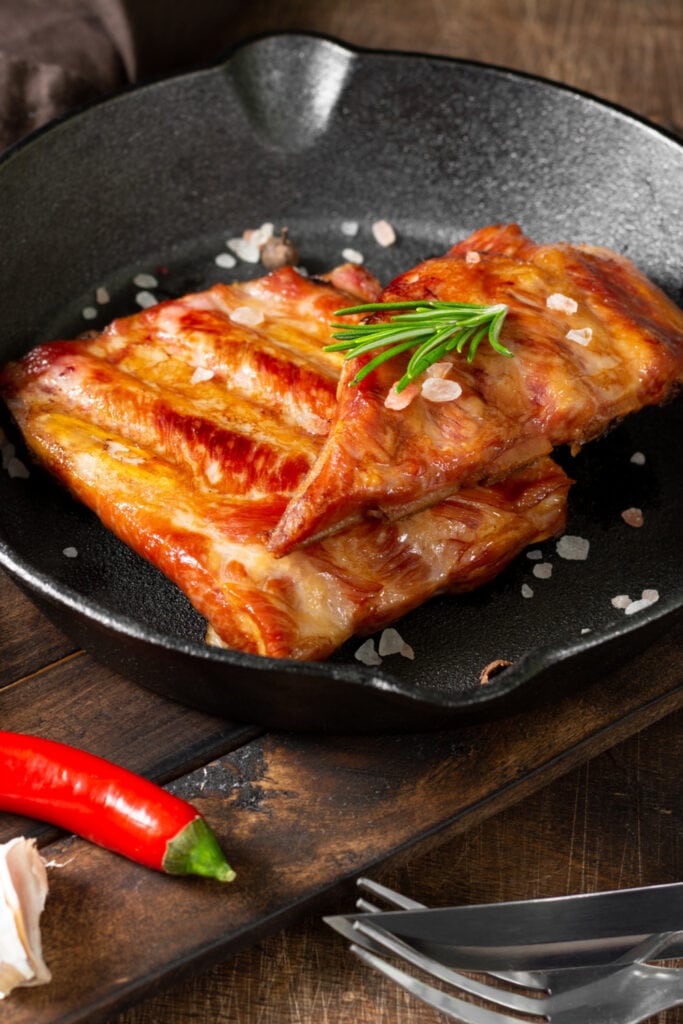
(580, 795)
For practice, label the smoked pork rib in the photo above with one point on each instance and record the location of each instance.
(305, 604)
(186, 431)
(242, 405)
(387, 462)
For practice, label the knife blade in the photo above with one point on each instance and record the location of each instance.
(544, 934)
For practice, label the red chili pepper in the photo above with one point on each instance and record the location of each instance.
(107, 805)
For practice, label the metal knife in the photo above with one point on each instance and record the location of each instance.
(543, 934)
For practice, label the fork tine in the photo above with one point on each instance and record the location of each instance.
(466, 1013)
(397, 898)
(380, 937)
(523, 979)
(366, 907)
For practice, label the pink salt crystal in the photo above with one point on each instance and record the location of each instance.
(401, 399)
(438, 370)
(201, 374)
(383, 233)
(438, 389)
(245, 249)
(562, 303)
(367, 654)
(581, 336)
(247, 316)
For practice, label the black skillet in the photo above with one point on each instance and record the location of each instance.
(307, 133)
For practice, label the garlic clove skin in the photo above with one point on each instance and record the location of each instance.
(23, 891)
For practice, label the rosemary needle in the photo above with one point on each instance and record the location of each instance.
(430, 327)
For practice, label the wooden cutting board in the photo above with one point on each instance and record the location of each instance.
(300, 817)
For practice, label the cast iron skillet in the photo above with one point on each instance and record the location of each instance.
(309, 134)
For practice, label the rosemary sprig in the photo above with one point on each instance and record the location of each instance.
(436, 328)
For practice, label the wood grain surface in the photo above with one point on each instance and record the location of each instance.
(614, 822)
(560, 801)
(301, 818)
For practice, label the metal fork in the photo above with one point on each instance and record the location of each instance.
(398, 901)
(595, 995)
(527, 979)
(625, 992)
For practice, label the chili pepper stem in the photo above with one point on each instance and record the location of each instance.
(195, 851)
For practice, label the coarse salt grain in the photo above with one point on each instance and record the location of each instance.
(259, 236)
(472, 257)
(17, 470)
(349, 228)
(14, 466)
(649, 597)
(70, 552)
(201, 374)
(367, 654)
(534, 555)
(586, 629)
(438, 369)
(145, 281)
(527, 591)
(401, 399)
(439, 389)
(562, 303)
(543, 571)
(88, 312)
(352, 255)
(383, 233)
(225, 260)
(574, 549)
(102, 296)
(145, 299)
(582, 335)
(632, 517)
(638, 459)
(391, 642)
(247, 251)
(247, 316)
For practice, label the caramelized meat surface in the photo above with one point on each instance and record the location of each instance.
(187, 428)
(560, 388)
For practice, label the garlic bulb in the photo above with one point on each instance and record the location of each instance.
(23, 890)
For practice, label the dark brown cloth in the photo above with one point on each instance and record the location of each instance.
(53, 57)
(56, 56)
